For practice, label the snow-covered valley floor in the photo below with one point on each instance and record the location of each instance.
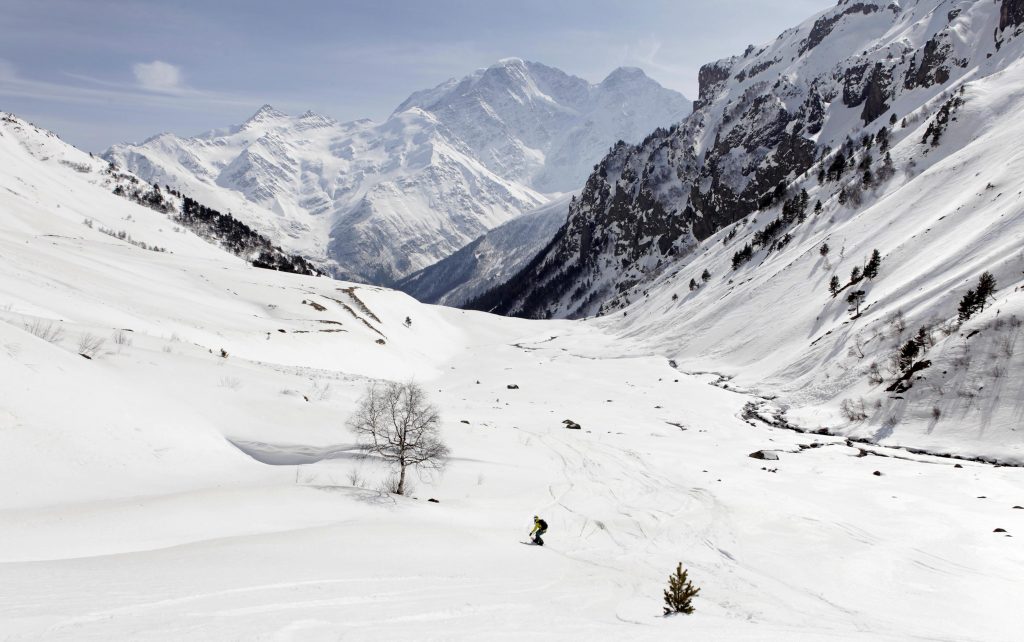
(820, 549)
(193, 480)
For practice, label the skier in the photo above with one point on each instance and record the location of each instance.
(539, 527)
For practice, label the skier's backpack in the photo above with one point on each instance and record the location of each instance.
(543, 525)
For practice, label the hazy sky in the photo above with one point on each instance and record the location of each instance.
(104, 71)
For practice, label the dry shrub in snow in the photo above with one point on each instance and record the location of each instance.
(89, 345)
(853, 410)
(897, 322)
(122, 338)
(231, 383)
(355, 478)
(320, 390)
(45, 330)
(875, 373)
(393, 484)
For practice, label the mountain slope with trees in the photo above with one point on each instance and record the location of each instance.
(841, 280)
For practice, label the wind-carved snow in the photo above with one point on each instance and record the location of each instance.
(378, 201)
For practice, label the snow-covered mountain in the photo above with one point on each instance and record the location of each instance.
(873, 126)
(378, 201)
(488, 261)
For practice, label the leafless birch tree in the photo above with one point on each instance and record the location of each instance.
(396, 422)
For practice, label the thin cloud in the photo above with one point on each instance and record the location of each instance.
(161, 91)
(158, 76)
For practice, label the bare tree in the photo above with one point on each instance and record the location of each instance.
(396, 422)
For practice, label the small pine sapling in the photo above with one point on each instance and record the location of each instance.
(680, 593)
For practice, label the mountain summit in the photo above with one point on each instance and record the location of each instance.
(378, 201)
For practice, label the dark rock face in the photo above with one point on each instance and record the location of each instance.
(711, 79)
(1011, 13)
(755, 132)
(876, 93)
(932, 69)
(824, 25)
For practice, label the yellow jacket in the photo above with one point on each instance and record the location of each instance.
(537, 526)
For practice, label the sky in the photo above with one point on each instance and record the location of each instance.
(99, 72)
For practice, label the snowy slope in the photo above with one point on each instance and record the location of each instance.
(489, 260)
(960, 213)
(944, 208)
(135, 502)
(382, 200)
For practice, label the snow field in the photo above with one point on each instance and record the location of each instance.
(137, 503)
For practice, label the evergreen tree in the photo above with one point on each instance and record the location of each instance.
(883, 140)
(974, 301)
(871, 269)
(779, 193)
(817, 207)
(838, 166)
(986, 288)
(693, 285)
(908, 353)
(855, 274)
(705, 276)
(680, 593)
(865, 163)
(968, 304)
(742, 256)
(824, 249)
(834, 286)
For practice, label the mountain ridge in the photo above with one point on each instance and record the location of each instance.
(377, 201)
